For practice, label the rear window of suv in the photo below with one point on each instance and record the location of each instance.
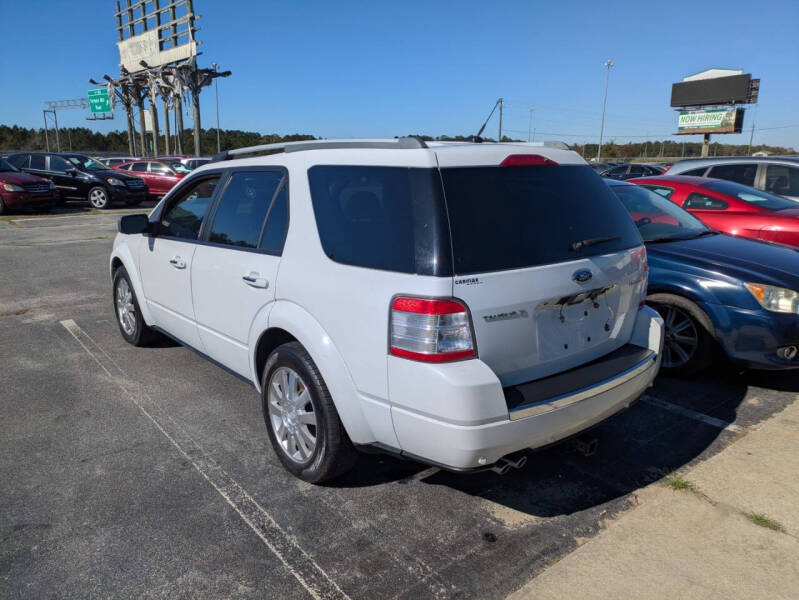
(517, 217)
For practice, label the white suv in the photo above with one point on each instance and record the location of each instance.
(451, 303)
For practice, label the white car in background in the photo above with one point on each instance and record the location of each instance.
(451, 303)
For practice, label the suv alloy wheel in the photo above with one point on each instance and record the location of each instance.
(301, 420)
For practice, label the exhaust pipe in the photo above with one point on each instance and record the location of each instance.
(501, 467)
(505, 464)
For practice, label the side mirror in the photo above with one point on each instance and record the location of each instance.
(133, 224)
(73, 171)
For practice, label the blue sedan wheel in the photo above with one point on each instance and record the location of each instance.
(688, 346)
(682, 337)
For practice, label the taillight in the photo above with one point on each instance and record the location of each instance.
(431, 330)
(640, 256)
(527, 160)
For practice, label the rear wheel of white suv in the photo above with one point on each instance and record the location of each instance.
(302, 422)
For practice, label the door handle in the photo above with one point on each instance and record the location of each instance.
(253, 280)
(177, 262)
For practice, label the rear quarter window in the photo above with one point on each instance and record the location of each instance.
(517, 217)
(389, 218)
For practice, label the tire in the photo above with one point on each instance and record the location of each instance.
(689, 346)
(3, 208)
(129, 319)
(297, 406)
(99, 197)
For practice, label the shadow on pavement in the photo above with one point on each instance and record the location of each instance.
(636, 447)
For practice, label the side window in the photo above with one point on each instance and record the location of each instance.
(239, 218)
(365, 214)
(20, 161)
(617, 171)
(159, 169)
(37, 162)
(666, 192)
(744, 174)
(702, 202)
(637, 170)
(276, 224)
(782, 180)
(184, 217)
(58, 165)
(700, 172)
(139, 167)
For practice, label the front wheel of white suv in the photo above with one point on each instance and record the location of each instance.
(301, 420)
(126, 308)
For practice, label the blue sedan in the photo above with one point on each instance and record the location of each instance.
(715, 292)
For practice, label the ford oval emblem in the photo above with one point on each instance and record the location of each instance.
(582, 276)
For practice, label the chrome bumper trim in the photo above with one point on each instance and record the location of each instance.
(545, 406)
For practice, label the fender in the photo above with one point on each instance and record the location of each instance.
(309, 332)
(123, 252)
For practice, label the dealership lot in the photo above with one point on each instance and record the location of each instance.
(147, 472)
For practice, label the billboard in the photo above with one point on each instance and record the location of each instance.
(723, 120)
(733, 89)
(159, 32)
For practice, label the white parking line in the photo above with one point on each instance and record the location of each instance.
(301, 565)
(692, 414)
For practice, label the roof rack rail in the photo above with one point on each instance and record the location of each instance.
(396, 143)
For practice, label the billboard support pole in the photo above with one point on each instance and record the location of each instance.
(154, 110)
(142, 127)
(165, 104)
(179, 124)
(195, 100)
(705, 145)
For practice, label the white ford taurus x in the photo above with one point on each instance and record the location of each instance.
(451, 303)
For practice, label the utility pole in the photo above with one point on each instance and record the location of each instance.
(216, 90)
(501, 101)
(530, 125)
(751, 134)
(46, 137)
(57, 140)
(608, 65)
(705, 145)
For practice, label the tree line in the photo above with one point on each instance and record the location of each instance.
(116, 142)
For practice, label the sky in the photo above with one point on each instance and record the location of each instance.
(381, 68)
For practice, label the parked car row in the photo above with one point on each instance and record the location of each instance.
(79, 177)
(75, 176)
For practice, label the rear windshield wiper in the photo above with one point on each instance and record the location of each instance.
(593, 242)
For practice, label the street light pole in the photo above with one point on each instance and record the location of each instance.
(608, 64)
(530, 125)
(216, 91)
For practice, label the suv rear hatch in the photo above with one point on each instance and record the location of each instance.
(548, 261)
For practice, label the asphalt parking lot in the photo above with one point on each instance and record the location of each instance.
(133, 472)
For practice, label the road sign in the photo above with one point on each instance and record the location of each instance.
(99, 101)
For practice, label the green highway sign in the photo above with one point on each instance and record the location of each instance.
(99, 101)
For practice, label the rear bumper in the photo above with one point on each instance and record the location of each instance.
(463, 420)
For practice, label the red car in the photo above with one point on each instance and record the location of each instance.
(22, 190)
(730, 207)
(159, 176)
